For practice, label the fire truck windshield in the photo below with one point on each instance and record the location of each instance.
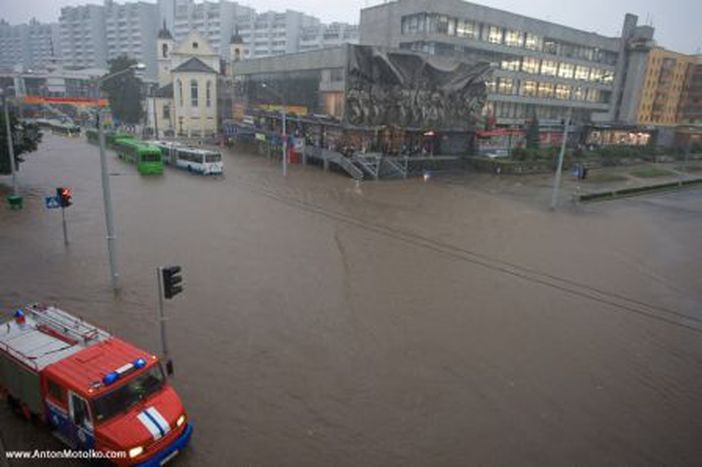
(129, 394)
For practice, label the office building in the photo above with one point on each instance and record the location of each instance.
(541, 69)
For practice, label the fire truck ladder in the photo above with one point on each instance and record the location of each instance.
(65, 325)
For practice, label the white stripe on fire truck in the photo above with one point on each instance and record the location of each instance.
(150, 425)
(158, 418)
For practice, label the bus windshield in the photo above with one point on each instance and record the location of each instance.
(213, 158)
(151, 157)
(128, 394)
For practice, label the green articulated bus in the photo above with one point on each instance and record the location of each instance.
(146, 157)
(110, 137)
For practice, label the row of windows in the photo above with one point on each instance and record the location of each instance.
(460, 27)
(527, 88)
(556, 69)
(194, 93)
(524, 64)
(516, 110)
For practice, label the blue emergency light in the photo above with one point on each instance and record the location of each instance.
(139, 363)
(110, 378)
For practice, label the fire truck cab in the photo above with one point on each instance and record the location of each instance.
(96, 391)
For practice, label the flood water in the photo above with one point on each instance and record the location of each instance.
(439, 322)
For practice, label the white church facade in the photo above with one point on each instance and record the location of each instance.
(189, 72)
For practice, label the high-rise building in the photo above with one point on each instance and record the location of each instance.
(690, 109)
(130, 29)
(31, 45)
(82, 36)
(662, 86)
(541, 68)
(213, 20)
(274, 33)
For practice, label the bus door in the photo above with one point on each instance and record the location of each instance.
(81, 430)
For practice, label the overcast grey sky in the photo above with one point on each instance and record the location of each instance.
(677, 22)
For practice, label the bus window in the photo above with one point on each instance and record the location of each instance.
(151, 157)
(213, 158)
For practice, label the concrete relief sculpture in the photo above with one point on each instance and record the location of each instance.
(413, 91)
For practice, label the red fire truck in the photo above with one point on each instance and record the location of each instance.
(97, 392)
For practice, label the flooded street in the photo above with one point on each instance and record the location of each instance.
(450, 322)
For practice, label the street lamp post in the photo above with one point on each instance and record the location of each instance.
(561, 155)
(106, 193)
(10, 146)
(284, 132)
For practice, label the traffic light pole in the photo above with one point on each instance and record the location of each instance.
(162, 322)
(63, 221)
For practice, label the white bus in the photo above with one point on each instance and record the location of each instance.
(195, 160)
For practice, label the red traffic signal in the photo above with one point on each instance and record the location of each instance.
(64, 195)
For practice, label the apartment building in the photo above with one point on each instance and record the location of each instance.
(130, 30)
(328, 35)
(31, 45)
(82, 36)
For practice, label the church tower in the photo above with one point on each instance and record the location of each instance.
(165, 44)
(237, 50)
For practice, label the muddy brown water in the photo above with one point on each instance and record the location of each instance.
(440, 322)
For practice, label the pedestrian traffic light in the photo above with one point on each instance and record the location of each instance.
(64, 195)
(171, 279)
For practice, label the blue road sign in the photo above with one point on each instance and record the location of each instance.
(52, 202)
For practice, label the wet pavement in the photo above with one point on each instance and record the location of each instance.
(448, 322)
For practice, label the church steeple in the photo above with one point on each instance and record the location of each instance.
(164, 33)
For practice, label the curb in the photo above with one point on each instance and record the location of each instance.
(636, 191)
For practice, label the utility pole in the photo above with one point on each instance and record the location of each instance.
(10, 145)
(561, 155)
(285, 144)
(107, 201)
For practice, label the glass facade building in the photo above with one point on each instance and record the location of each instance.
(540, 68)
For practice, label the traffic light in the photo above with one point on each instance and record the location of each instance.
(171, 279)
(64, 195)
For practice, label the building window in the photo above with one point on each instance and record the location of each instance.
(465, 28)
(506, 86)
(208, 94)
(562, 91)
(530, 65)
(578, 93)
(546, 90)
(566, 70)
(193, 93)
(550, 47)
(179, 85)
(532, 41)
(195, 45)
(164, 50)
(528, 88)
(514, 38)
(511, 64)
(491, 85)
(549, 67)
(166, 112)
(582, 72)
(495, 35)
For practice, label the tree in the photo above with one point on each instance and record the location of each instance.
(25, 138)
(124, 91)
(533, 140)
